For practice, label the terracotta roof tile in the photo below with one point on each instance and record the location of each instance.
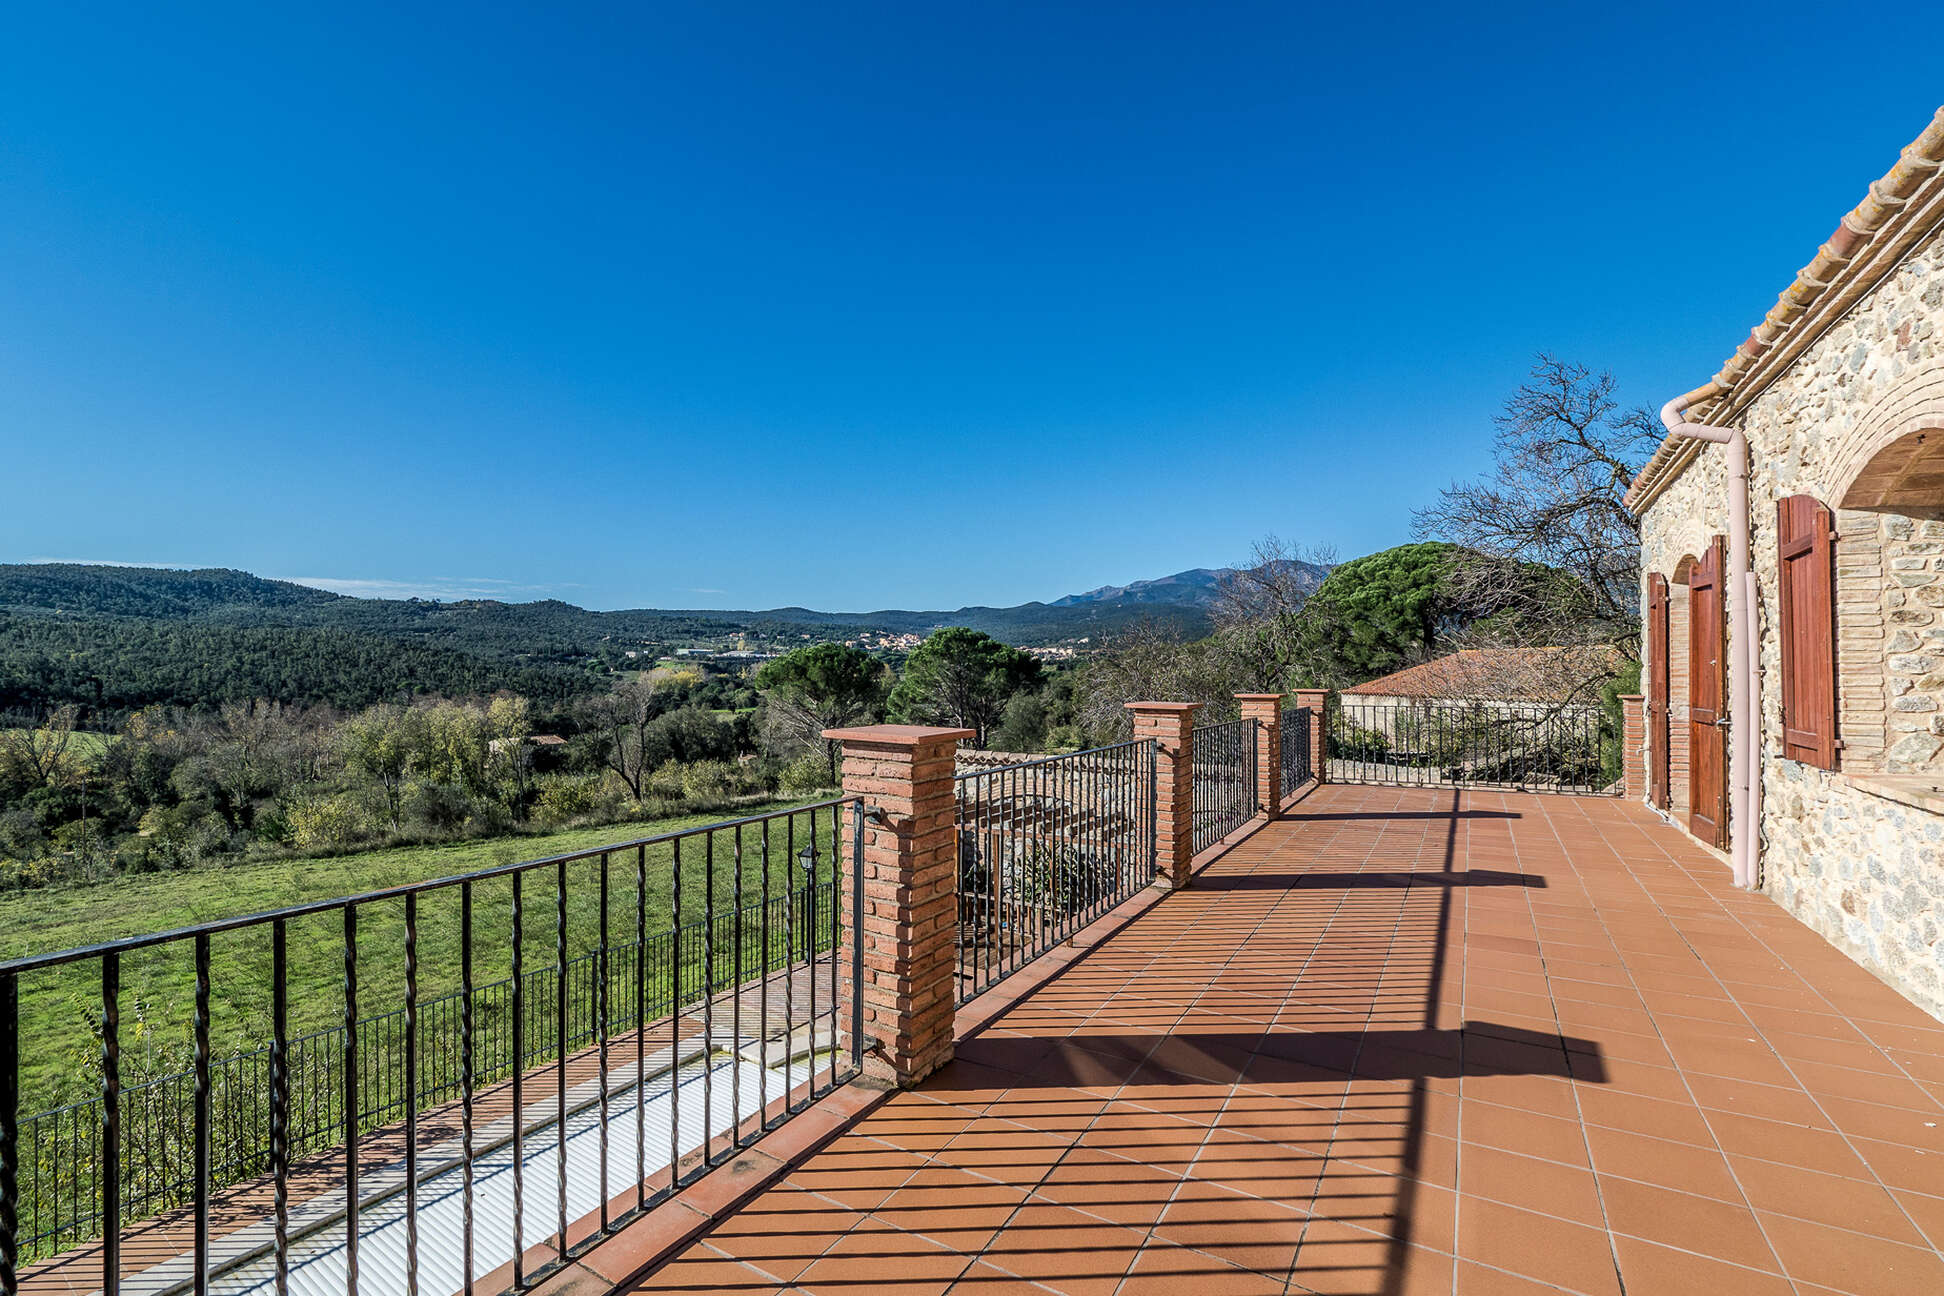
(1557, 674)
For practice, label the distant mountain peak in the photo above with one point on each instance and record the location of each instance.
(1198, 587)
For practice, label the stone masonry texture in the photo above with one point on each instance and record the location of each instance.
(1863, 868)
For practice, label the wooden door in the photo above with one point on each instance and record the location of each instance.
(1708, 698)
(1657, 699)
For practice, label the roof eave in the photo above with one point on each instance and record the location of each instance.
(1899, 210)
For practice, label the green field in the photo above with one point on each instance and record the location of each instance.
(84, 744)
(60, 1007)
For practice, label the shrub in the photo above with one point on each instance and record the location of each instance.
(442, 808)
(708, 780)
(328, 821)
(560, 797)
(809, 772)
(665, 783)
(1354, 742)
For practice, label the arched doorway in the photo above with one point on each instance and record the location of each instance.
(1889, 582)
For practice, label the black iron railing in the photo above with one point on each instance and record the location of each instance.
(1225, 780)
(60, 1147)
(692, 957)
(1295, 728)
(1045, 847)
(1515, 745)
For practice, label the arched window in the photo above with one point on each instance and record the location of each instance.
(1805, 537)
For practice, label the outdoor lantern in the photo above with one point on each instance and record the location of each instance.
(808, 858)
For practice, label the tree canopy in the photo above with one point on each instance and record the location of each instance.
(1375, 614)
(818, 687)
(963, 678)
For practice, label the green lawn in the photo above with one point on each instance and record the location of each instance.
(59, 1007)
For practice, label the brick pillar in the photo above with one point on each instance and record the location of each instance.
(909, 924)
(1266, 710)
(1316, 700)
(1172, 726)
(1633, 746)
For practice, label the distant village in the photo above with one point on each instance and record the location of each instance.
(747, 651)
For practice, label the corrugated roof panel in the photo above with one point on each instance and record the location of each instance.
(317, 1261)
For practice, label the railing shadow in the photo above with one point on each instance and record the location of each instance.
(1357, 881)
(1380, 815)
(1478, 1048)
(1369, 1165)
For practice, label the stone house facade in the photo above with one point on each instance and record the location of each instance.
(1840, 398)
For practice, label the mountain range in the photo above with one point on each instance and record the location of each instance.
(121, 637)
(229, 597)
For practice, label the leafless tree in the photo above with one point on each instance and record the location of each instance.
(622, 718)
(1566, 451)
(1258, 612)
(40, 754)
(1150, 663)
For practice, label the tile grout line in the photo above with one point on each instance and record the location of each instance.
(1782, 1268)
(1835, 1126)
(1289, 1281)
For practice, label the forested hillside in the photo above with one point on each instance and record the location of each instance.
(114, 665)
(552, 629)
(115, 639)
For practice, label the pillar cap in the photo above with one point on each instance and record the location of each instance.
(1259, 697)
(1633, 697)
(1177, 707)
(895, 735)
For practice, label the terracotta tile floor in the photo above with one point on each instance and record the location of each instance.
(1409, 1041)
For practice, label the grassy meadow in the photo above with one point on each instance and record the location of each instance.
(60, 1007)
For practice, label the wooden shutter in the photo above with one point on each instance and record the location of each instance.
(1805, 533)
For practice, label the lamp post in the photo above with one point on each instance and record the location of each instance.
(807, 857)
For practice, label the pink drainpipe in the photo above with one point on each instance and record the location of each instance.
(1744, 788)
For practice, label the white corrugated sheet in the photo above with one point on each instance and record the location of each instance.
(705, 1099)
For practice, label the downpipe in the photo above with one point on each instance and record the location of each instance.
(1745, 725)
(1754, 667)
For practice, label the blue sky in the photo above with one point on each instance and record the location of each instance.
(856, 307)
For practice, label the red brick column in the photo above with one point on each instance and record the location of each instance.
(1633, 746)
(909, 923)
(1172, 726)
(1316, 700)
(1266, 710)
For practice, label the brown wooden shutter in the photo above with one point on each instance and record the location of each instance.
(1807, 579)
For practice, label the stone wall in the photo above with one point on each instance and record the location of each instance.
(1676, 530)
(1864, 870)
(1874, 377)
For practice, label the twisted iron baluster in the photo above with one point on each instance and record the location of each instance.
(9, 1134)
(411, 1093)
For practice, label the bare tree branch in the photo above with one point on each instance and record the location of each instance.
(1566, 451)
